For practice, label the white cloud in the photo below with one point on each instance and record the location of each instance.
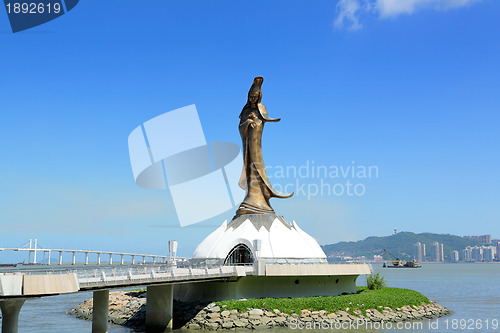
(348, 14)
(388, 8)
(349, 11)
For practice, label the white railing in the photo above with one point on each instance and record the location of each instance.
(98, 277)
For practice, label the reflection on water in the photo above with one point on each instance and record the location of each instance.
(471, 291)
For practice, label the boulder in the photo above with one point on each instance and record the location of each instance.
(256, 312)
(213, 309)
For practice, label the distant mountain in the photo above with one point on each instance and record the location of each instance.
(399, 245)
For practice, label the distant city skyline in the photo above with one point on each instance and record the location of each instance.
(452, 248)
(488, 252)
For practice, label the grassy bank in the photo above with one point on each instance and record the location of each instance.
(363, 300)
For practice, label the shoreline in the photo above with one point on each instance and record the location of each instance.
(128, 308)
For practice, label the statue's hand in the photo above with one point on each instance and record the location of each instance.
(265, 116)
(273, 120)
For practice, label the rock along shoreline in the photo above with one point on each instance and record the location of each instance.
(129, 309)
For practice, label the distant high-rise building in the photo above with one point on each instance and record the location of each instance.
(485, 239)
(468, 254)
(424, 256)
(498, 251)
(418, 251)
(436, 254)
(488, 253)
(441, 254)
(454, 256)
(477, 253)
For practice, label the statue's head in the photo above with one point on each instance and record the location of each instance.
(255, 93)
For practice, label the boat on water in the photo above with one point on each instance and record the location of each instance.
(399, 263)
(8, 265)
(408, 264)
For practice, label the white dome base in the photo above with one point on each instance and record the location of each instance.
(277, 241)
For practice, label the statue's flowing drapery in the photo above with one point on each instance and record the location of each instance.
(254, 177)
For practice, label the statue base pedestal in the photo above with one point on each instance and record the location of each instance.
(264, 237)
(273, 258)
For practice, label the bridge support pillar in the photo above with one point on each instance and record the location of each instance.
(100, 311)
(159, 307)
(10, 314)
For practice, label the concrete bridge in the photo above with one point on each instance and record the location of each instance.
(163, 279)
(18, 286)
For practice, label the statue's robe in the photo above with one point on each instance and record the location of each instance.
(254, 177)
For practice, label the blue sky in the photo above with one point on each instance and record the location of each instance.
(409, 87)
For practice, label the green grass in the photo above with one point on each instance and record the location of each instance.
(363, 300)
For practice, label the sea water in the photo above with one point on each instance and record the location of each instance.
(471, 291)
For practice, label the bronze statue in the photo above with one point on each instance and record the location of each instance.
(254, 177)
